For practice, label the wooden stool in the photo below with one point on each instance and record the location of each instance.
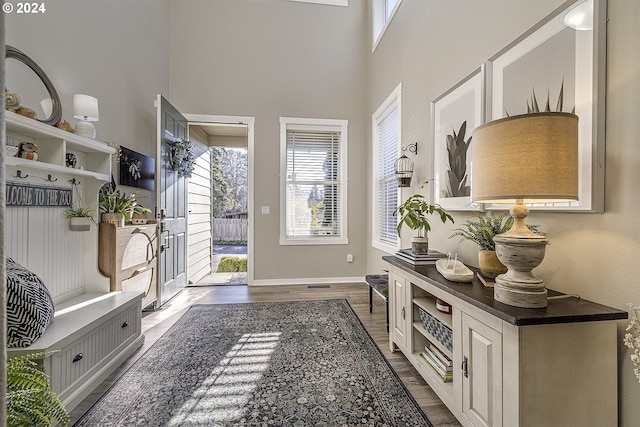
(380, 284)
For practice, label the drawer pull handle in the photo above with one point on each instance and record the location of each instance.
(125, 324)
(78, 357)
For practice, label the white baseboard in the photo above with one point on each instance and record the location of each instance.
(308, 281)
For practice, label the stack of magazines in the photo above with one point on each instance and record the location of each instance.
(407, 255)
(439, 362)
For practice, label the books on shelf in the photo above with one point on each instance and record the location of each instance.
(489, 283)
(439, 361)
(439, 355)
(408, 256)
(446, 376)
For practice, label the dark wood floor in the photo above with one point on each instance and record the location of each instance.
(154, 324)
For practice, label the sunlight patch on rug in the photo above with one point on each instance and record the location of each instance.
(224, 395)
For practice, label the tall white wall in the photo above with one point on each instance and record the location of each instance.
(272, 58)
(114, 50)
(431, 45)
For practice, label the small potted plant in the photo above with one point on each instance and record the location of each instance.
(115, 207)
(80, 218)
(414, 213)
(140, 215)
(481, 230)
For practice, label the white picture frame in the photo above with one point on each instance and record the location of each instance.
(454, 115)
(548, 57)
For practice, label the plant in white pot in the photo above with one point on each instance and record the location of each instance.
(481, 230)
(415, 213)
(80, 218)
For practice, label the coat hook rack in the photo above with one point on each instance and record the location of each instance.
(74, 182)
(50, 179)
(19, 174)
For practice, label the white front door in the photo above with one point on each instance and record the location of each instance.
(171, 203)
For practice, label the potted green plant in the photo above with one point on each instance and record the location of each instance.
(30, 399)
(115, 207)
(140, 214)
(415, 213)
(80, 218)
(481, 230)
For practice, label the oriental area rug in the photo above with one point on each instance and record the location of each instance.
(303, 363)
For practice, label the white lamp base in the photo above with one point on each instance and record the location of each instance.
(86, 129)
(518, 286)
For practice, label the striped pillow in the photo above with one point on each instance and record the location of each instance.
(29, 306)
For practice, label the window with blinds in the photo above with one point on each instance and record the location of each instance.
(386, 146)
(313, 189)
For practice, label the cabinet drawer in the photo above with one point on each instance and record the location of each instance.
(87, 353)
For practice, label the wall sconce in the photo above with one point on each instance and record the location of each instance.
(404, 166)
(85, 109)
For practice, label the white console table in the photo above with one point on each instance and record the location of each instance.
(555, 366)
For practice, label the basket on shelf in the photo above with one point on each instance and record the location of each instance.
(437, 329)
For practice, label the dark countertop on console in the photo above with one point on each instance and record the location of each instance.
(565, 310)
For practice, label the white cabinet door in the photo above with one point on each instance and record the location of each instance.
(400, 304)
(481, 373)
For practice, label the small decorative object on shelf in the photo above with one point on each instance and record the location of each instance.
(27, 150)
(182, 157)
(454, 270)
(11, 101)
(442, 306)
(71, 160)
(27, 112)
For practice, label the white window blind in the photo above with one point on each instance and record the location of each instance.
(386, 135)
(313, 187)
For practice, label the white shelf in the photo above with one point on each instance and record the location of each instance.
(53, 146)
(35, 129)
(428, 304)
(49, 167)
(433, 340)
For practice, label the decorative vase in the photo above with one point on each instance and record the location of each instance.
(490, 265)
(420, 245)
(114, 218)
(79, 224)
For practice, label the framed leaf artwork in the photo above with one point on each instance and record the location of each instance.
(454, 116)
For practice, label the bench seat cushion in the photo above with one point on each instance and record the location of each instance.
(379, 282)
(29, 306)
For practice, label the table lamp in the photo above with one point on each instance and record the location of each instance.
(85, 109)
(530, 158)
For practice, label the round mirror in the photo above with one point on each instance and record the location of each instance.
(36, 98)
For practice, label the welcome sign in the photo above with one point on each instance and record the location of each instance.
(33, 195)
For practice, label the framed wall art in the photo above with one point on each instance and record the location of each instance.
(137, 170)
(559, 65)
(454, 116)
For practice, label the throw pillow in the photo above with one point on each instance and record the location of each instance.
(29, 306)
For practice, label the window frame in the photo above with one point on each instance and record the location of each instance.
(394, 100)
(340, 125)
(381, 20)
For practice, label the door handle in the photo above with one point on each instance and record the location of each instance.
(404, 314)
(166, 244)
(465, 366)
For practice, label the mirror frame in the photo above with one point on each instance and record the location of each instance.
(56, 112)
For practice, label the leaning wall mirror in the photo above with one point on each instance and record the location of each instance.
(36, 91)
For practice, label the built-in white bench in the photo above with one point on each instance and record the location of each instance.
(90, 336)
